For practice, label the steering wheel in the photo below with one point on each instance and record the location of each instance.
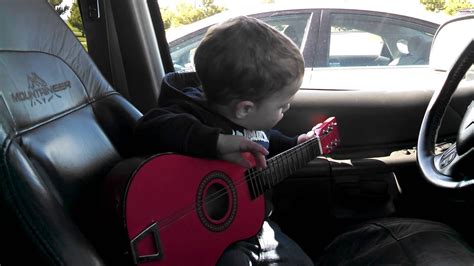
(451, 168)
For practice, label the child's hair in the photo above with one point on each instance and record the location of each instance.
(243, 58)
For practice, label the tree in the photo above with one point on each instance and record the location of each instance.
(57, 6)
(209, 8)
(455, 5)
(434, 5)
(450, 7)
(186, 13)
(167, 16)
(75, 19)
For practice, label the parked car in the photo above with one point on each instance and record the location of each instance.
(397, 190)
(330, 35)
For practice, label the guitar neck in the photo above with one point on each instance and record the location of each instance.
(286, 163)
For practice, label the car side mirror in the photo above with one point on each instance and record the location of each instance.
(450, 40)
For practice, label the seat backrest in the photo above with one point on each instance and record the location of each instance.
(63, 127)
(418, 52)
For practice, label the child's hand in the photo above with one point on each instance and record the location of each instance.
(309, 135)
(230, 148)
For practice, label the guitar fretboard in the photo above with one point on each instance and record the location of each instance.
(281, 166)
(286, 163)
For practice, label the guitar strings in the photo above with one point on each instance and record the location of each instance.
(254, 175)
(222, 192)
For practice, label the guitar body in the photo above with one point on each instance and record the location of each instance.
(180, 210)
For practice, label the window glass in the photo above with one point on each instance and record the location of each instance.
(70, 13)
(367, 40)
(292, 25)
(182, 54)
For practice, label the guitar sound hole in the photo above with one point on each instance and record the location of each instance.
(216, 202)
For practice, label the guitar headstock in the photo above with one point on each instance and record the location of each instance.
(328, 134)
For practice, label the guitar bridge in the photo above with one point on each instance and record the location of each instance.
(151, 231)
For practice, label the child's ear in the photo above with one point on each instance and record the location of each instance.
(243, 108)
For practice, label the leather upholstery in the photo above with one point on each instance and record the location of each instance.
(397, 241)
(62, 128)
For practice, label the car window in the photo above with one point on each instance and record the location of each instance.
(368, 40)
(182, 54)
(70, 13)
(294, 26)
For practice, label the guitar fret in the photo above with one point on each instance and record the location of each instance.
(287, 167)
(307, 154)
(259, 178)
(279, 176)
(264, 178)
(278, 172)
(293, 164)
(313, 150)
(268, 177)
(299, 159)
(251, 182)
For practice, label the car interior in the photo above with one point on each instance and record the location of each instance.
(67, 118)
(419, 41)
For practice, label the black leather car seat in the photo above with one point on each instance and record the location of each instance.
(399, 241)
(62, 128)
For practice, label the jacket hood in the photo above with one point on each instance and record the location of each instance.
(181, 86)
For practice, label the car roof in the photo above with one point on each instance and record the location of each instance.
(417, 12)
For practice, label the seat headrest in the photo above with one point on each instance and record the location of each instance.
(417, 45)
(44, 71)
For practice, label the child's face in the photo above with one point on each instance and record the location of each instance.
(269, 111)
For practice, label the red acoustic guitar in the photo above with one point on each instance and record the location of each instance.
(180, 210)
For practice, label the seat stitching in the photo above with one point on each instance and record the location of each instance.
(415, 232)
(55, 117)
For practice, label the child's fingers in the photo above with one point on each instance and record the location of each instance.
(257, 153)
(260, 160)
(252, 147)
(316, 126)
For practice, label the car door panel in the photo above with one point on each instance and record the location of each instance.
(372, 121)
(358, 60)
(375, 162)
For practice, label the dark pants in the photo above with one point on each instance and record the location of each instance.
(270, 247)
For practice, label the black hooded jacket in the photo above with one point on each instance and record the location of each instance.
(184, 124)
